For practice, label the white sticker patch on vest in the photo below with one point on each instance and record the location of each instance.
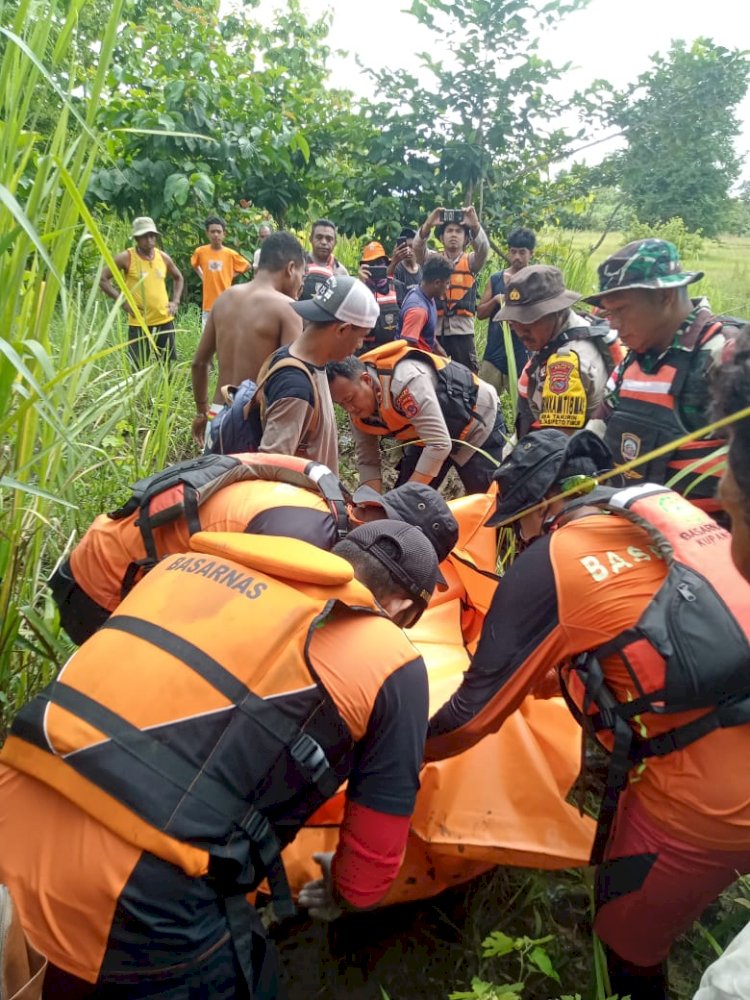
(652, 388)
(215, 265)
(623, 498)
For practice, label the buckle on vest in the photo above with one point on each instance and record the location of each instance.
(261, 834)
(310, 756)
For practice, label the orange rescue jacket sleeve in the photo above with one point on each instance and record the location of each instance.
(521, 640)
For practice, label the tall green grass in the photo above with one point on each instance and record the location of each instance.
(75, 422)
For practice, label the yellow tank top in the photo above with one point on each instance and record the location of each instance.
(147, 280)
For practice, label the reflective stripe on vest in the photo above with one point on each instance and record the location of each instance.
(648, 416)
(461, 299)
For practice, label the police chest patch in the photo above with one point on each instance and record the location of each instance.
(558, 376)
(407, 404)
(630, 446)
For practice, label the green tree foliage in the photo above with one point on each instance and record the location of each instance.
(205, 112)
(470, 121)
(679, 122)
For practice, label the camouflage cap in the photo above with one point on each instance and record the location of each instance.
(642, 264)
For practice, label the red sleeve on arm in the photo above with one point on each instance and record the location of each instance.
(414, 322)
(369, 854)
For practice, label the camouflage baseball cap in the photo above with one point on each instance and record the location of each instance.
(642, 264)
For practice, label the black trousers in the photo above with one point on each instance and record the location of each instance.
(461, 348)
(476, 474)
(141, 350)
(80, 616)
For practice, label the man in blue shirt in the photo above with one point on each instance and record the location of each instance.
(418, 318)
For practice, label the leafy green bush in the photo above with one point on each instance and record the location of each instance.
(689, 244)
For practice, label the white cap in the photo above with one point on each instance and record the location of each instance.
(345, 299)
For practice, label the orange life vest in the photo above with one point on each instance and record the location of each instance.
(456, 390)
(461, 299)
(163, 725)
(687, 656)
(647, 416)
(175, 495)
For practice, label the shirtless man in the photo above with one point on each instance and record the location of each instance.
(247, 323)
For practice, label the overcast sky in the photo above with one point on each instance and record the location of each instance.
(611, 39)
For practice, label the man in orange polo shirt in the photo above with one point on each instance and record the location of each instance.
(216, 265)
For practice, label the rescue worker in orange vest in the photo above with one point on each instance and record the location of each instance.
(563, 381)
(145, 792)
(661, 390)
(373, 270)
(619, 589)
(320, 264)
(402, 392)
(253, 493)
(457, 310)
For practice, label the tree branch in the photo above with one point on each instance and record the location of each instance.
(607, 227)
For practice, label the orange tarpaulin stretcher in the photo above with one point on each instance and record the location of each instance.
(503, 801)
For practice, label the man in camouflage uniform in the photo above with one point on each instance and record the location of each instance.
(661, 391)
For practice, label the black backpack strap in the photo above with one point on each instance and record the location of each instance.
(735, 713)
(621, 760)
(133, 574)
(457, 393)
(191, 474)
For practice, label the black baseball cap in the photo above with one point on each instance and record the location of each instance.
(405, 552)
(536, 463)
(420, 505)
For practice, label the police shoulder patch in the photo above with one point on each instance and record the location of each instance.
(407, 404)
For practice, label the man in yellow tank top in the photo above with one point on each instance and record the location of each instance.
(145, 269)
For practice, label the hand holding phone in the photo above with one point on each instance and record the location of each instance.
(455, 215)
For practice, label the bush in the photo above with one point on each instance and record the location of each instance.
(689, 244)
